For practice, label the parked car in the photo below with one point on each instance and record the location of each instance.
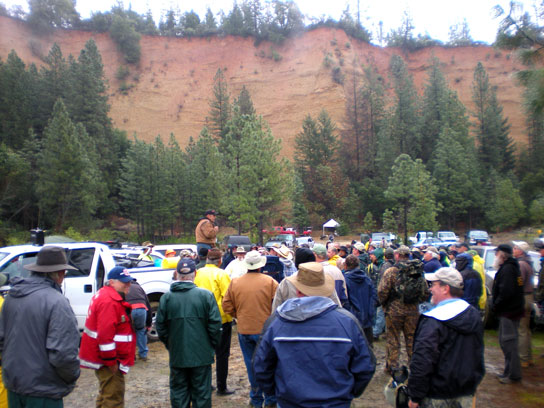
(426, 242)
(305, 240)
(307, 231)
(378, 237)
(287, 239)
(279, 230)
(487, 253)
(448, 237)
(176, 247)
(478, 237)
(128, 258)
(238, 240)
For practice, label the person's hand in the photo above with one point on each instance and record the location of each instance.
(413, 404)
(216, 228)
(114, 368)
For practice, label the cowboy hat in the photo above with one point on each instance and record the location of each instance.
(284, 252)
(50, 259)
(312, 281)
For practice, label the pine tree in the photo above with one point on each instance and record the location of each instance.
(67, 179)
(244, 102)
(220, 109)
(255, 172)
(210, 25)
(412, 192)
(205, 164)
(15, 101)
(134, 181)
(316, 158)
(400, 132)
(495, 147)
(506, 207)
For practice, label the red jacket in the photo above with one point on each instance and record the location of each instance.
(108, 336)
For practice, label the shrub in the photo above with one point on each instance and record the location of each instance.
(125, 87)
(337, 75)
(327, 61)
(275, 55)
(122, 72)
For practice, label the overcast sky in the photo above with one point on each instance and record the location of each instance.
(433, 17)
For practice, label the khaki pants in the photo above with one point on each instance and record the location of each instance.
(111, 388)
(525, 352)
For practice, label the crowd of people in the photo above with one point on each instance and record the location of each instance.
(306, 320)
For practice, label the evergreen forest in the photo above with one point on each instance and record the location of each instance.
(403, 159)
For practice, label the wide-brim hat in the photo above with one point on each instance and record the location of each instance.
(50, 259)
(284, 252)
(240, 250)
(254, 260)
(312, 280)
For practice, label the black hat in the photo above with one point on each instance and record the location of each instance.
(50, 259)
(505, 248)
(210, 212)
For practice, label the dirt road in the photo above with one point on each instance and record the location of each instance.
(147, 382)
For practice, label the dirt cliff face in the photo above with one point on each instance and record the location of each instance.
(174, 80)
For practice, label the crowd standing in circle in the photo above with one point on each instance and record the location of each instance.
(306, 320)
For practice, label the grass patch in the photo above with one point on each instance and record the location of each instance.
(530, 397)
(491, 338)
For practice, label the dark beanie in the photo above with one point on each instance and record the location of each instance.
(303, 255)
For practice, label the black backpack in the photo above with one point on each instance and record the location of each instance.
(411, 286)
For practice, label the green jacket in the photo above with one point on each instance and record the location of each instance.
(189, 325)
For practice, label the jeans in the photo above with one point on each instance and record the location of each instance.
(379, 325)
(202, 245)
(248, 344)
(138, 318)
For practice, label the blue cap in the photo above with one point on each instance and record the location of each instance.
(186, 266)
(119, 273)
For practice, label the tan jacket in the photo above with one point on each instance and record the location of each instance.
(249, 300)
(205, 232)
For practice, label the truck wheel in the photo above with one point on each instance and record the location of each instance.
(152, 334)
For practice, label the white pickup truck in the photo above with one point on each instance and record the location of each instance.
(93, 261)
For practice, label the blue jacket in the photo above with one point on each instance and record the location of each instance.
(472, 281)
(313, 354)
(432, 266)
(448, 353)
(362, 296)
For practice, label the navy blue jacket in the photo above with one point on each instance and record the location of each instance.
(432, 266)
(448, 355)
(313, 354)
(472, 281)
(362, 297)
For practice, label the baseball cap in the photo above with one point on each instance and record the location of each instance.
(320, 249)
(359, 246)
(449, 276)
(119, 273)
(186, 266)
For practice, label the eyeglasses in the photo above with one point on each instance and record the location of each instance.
(431, 283)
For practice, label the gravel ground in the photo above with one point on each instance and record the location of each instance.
(147, 382)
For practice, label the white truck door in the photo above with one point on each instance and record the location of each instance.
(80, 286)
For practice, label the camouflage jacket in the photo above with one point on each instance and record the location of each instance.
(387, 295)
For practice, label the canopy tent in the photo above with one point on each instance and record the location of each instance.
(330, 224)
